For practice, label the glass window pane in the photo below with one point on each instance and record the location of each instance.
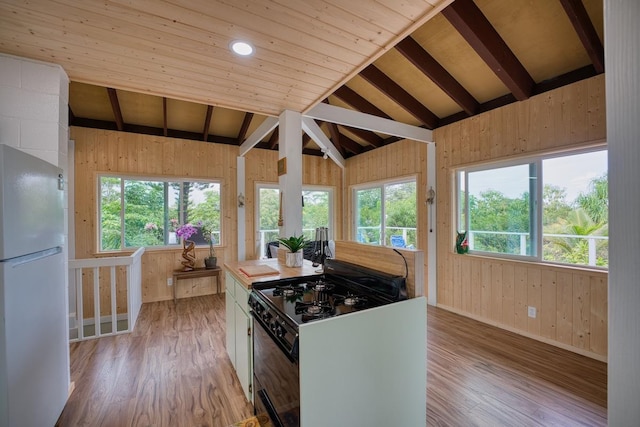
(315, 212)
(369, 215)
(499, 216)
(110, 209)
(268, 213)
(575, 209)
(143, 213)
(400, 214)
(202, 202)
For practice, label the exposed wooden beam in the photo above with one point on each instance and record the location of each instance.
(150, 130)
(115, 106)
(164, 116)
(350, 145)
(467, 18)
(265, 127)
(245, 127)
(370, 137)
(586, 32)
(421, 59)
(350, 97)
(306, 139)
(273, 141)
(207, 122)
(356, 119)
(336, 137)
(544, 86)
(403, 98)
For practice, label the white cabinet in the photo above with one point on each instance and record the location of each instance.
(239, 338)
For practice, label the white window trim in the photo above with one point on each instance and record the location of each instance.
(377, 184)
(536, 159)
(124, 177)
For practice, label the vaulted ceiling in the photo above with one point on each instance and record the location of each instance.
(164, 67)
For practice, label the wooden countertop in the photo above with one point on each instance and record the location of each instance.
(284, 272)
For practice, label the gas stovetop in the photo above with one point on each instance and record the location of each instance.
(317, 298)
(281, 306)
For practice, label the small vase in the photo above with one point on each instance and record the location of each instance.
(188, 255)
(210, 262)
(294, 259)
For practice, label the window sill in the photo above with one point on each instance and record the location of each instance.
(550, 265)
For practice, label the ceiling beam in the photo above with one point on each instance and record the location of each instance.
(115, 106)
(207, 122)
(265, 127)
(369, 137)
(356, 119)
(306, 139)
(336, 137)
(245, 127)
(274, 139)
(586, 32)
(164, 116)
(350, 97)
(350, 145)
(467, 18)
(312, 129)
(421, 59)
(403, 98)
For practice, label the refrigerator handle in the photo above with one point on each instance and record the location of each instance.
(24, 259)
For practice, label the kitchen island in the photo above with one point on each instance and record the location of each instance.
(239, 329)
(365, 367)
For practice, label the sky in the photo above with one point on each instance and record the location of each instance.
(573, 173)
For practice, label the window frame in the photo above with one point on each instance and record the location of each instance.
(159, 179)
(382, 184)
(274, 186)
(536, 216)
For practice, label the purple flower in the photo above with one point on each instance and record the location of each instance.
(185, 231)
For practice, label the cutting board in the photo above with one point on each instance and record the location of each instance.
(258, 270)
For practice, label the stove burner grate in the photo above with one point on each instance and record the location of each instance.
(288, 290)
(314, 309)
(351, 300)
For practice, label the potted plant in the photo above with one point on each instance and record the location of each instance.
(294, 244)
(207, 233)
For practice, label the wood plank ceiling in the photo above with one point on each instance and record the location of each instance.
(163, 66)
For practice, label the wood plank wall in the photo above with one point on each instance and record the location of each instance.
(383, 258)
(401, 159)
(261, 167)
(571, 302)
(99, 151)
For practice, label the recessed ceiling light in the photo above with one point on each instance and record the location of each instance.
(241, 48)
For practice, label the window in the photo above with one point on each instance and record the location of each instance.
(135, 212)
(551, 208)
(385, 214)
(317, 211)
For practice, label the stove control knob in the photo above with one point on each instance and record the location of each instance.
(274, 325)
(258, 308)
(280, 331)
(266, 317)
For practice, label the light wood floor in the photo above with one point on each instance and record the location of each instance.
(173, 371)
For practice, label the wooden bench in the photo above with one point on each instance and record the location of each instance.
(194, 274)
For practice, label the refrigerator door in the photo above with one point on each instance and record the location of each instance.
(33, 346)
(31, 204)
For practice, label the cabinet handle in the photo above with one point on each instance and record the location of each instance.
(248, 331)
(250, 388)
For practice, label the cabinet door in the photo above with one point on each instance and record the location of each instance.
(244, 342)
(230, 315)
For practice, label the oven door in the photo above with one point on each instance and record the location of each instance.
(275, 379)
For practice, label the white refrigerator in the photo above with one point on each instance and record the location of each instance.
(34, 345)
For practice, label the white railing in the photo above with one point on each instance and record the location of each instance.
(378, 228)
(523, 237)
(79, 325)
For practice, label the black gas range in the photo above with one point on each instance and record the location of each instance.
(280, 307)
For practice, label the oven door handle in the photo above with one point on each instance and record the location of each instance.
(292, 354)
